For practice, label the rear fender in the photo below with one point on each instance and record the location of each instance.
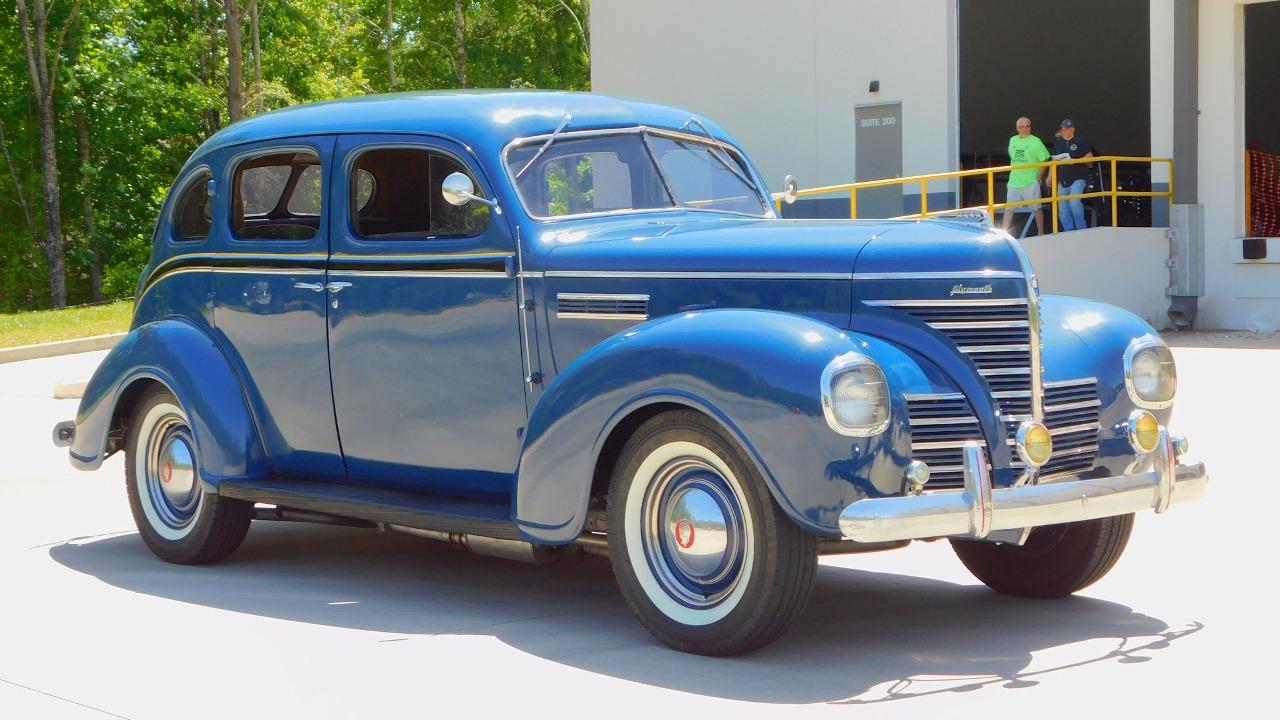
(181, 357)
(755, 372)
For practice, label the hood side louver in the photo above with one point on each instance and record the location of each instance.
(602, 306)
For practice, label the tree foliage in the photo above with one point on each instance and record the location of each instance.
(139, 84)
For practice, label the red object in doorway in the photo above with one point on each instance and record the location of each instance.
(1262, 193)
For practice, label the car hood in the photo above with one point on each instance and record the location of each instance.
(821, 248)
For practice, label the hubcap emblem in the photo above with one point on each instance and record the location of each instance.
(166, 472)
(684, 534)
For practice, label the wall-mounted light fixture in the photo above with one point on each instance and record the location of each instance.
(874, 87)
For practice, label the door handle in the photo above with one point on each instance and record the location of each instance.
(313, 287)
(336, 286)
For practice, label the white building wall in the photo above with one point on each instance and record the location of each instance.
(784, 78)
(1235, 290)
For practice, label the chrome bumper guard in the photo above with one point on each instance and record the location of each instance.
(980, 509)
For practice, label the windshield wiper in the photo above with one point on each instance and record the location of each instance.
(559, 129)
(727, 160)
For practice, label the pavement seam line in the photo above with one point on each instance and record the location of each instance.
(58, 697)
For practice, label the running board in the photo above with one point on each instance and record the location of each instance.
(377, 505)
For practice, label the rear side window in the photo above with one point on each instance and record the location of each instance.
(277, 197)
(193, 213)
(395, 194)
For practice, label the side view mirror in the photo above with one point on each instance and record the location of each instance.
(789, 189)
(458, 190)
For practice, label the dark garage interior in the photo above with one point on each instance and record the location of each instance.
(1088, 60)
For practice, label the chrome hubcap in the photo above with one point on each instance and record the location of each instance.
(171, 472)
(694, 532)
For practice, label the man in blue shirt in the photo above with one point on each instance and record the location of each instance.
(1071, 178)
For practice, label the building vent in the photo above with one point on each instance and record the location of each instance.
(608, 307)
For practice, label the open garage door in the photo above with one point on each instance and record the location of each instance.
(1088, 60)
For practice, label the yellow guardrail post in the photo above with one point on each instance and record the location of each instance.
(1053, 198)
(853, 203)
(924, 197)
(1115, 211)
(991, 194)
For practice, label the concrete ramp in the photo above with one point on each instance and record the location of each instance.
(1121, 266)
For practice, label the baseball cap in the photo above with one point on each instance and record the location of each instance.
(1066, 123)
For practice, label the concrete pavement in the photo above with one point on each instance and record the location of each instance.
(334, 622)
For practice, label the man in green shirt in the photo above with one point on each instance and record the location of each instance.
(1024, 184)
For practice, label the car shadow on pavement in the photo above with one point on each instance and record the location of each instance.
(867, 637)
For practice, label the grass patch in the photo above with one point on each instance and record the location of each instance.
(42, 326)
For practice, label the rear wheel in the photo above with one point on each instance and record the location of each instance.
(703, 555)
(1057, 560)
(178, 520)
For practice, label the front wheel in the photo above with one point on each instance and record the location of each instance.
(1056, 560)
(178, 520)
(702, 553)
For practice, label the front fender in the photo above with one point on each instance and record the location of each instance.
(756, 372)
(1085, 338)
(184, 359)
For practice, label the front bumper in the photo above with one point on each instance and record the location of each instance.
(981, 510)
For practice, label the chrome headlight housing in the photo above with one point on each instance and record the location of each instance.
(1149, 373)
(855, 396)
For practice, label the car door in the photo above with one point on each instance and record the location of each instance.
(424, 336)
(270, 300)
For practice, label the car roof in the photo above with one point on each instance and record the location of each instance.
(488, 118)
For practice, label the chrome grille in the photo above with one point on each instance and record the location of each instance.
(994, 332)
(941, 425)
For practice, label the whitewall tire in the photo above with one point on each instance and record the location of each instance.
(704, 556)
(178, 519)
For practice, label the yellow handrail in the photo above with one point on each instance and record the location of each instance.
(992, 206)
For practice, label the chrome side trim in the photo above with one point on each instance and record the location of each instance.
(696, 275)
(261, 271)
(982, 509)
(987, 302)
(636, 297)
(418, 273)
(948, 275)
(600, 316)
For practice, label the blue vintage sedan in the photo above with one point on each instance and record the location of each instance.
(534, 322)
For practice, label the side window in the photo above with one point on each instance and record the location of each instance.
(395, 194)
(277, 197)
(193, 213)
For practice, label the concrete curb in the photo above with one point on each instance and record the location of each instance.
(62, 347)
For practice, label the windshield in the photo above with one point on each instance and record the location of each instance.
(630, 171)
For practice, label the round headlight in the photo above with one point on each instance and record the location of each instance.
(855, 396)
(1144, 431)
(1035, 443)
(1149, 373)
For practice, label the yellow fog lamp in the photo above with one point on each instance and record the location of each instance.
(1144, 431)
(1035, 444)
